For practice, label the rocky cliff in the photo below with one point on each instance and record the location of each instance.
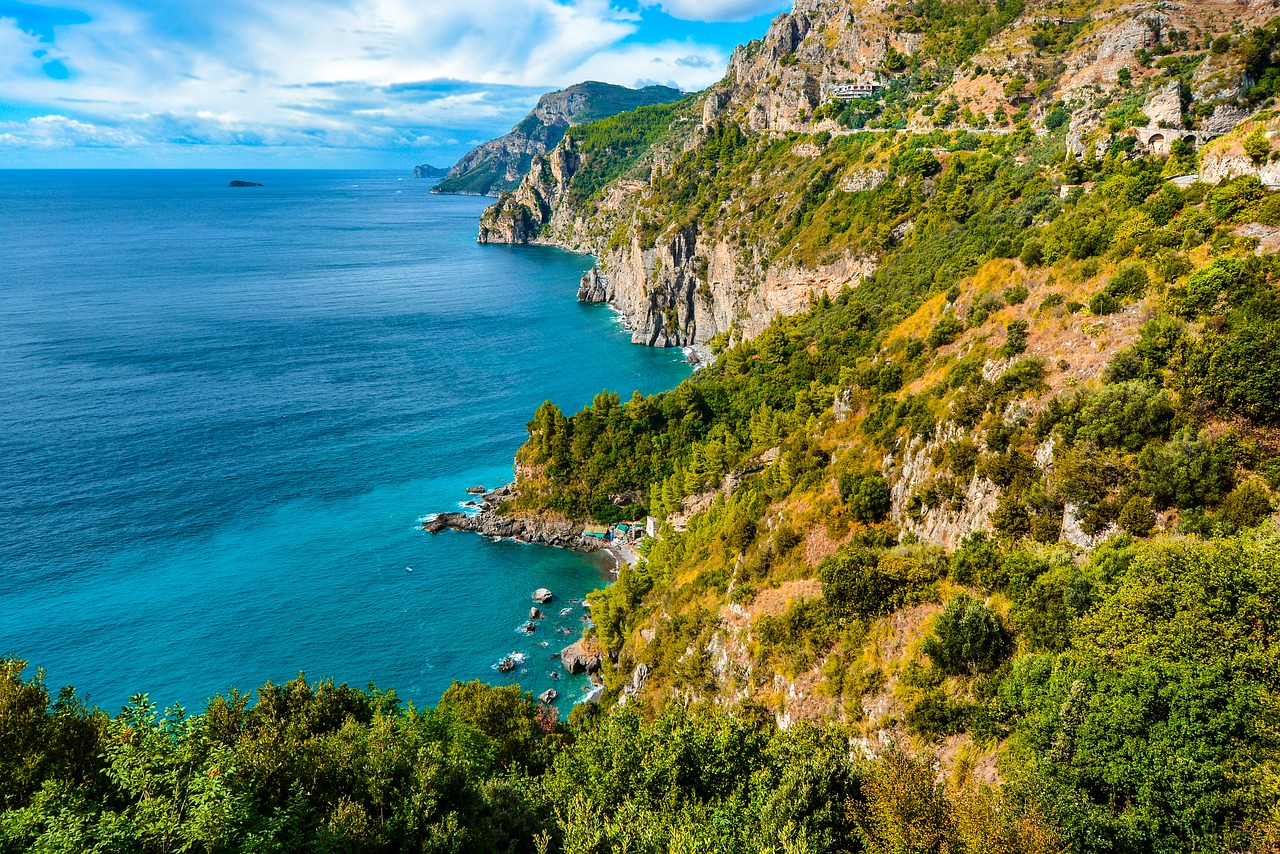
(426, 170)
(499, 165)
(1160, 74)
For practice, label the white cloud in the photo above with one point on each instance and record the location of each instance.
(55, 131)
(718, 10)
(377, 73)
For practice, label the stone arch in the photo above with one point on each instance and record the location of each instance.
(1189, 139)
(1156, 142)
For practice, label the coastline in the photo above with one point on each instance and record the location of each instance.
(489, 521)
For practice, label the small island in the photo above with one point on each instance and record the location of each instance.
(243, 184)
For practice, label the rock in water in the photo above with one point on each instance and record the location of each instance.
(535, 614)
(476, 490)
(243, 184)
(542, 595)
(507, 665)
(577, 658)
(549, 696)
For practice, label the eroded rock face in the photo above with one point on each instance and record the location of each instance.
(577, 657)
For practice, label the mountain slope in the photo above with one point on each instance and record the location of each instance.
(1153, 76)
(987, 459)
(499, 165)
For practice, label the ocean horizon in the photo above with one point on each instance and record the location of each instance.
(226, 411)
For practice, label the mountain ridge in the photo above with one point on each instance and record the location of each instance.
(500, 164)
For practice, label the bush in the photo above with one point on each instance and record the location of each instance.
(1016, 342)
(1247, 505)
(1129, 282)
(1046, 529)
(867, 496)
(1137, 516)
(1185, 472)
(856, 583)
(945, 332)
(977, 561)
(1010, 518)
(1103, 303)
(1032, 252)
(1016, 294)
(968, 637)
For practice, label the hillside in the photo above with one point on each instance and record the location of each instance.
(990, 435)
(499, 165)
(966, 534)
(426, 170)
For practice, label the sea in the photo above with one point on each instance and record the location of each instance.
(225, 413)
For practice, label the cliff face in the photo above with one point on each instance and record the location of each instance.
(426, 170)
(828, 69)
(499, 165)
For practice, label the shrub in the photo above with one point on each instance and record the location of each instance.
(976, 561)
(1016, 342)
(1256, 145)
(867, 496)
(946, 331)
(1129, 282)
(855, 583)
(1185, 472)
(1046, 529)
(1032, 252)
(1016, 294)
(1010, 518)
(1103, 303)
(1137, 516)
(1247, 504)
(968, 637)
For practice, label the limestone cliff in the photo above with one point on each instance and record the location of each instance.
(829, 69)
(499, 165)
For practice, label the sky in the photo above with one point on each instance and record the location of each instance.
(327, 83)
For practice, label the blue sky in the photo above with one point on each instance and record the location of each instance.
(327, 83)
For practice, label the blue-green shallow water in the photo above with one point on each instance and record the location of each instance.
(223, 413)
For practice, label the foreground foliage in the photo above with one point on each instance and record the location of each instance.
(318, 767)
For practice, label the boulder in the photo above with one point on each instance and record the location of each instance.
(579, 658)
(535, 614)
(549, 696)
(542, 596)
(475, 490)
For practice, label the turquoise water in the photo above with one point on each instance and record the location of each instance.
(223, 413)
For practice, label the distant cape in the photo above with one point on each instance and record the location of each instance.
(499, 165)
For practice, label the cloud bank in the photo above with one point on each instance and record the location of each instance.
(345, 74)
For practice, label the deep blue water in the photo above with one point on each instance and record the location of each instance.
(223, 413)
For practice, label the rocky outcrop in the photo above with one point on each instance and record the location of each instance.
(493, 521)
(426, 170)
(498, 166)
(581, 657)
(243, 184)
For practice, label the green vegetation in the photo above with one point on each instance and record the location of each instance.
(909, 401)
(487, 175)
(318, 767)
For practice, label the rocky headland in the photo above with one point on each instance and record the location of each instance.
(499, 165)
(492, 520)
